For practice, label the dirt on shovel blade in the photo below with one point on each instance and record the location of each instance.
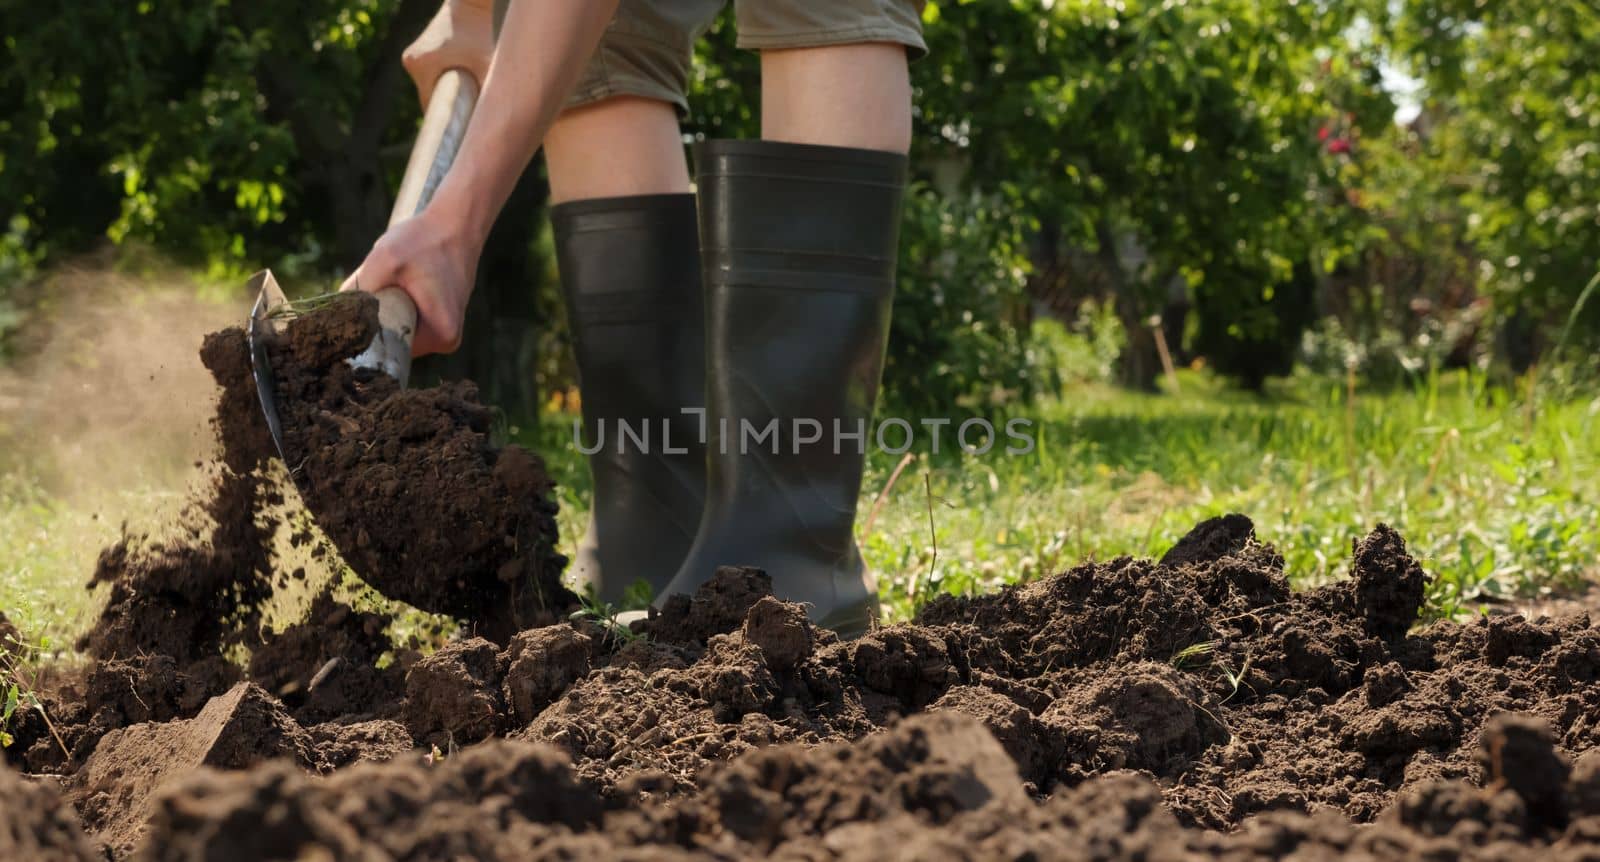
(1193, 707)
(407, 484)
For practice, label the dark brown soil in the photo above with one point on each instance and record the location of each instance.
(191, 595)
(327, 665)
(933, 786)
(1194, 707)
(408, 484)
(36, 824)
(188, 596)
(244, 441)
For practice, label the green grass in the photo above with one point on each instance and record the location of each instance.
(1499, 498)
(47, 553)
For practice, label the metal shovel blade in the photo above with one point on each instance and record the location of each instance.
(269, 298)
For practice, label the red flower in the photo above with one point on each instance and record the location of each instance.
(1338, 145)
(1323, 133)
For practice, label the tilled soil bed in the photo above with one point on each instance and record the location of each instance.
(1191, 707)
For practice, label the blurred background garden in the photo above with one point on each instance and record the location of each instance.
(1326, 264)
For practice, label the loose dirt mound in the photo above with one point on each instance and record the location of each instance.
(1190, 708)
(935, 785)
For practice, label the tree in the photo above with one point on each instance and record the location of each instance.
(1510, 122)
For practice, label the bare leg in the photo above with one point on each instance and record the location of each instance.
(839, 96)
(614, 148)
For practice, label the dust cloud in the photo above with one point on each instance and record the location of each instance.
(106, 393)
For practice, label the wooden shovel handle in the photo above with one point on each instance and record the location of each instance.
(444, 124)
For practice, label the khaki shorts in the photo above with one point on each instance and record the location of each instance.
(646, 50)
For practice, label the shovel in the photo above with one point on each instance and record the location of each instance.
(443, 126)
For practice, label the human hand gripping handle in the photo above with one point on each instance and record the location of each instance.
(444, 124)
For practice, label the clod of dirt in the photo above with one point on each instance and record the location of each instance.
(340, 745)
(932, 767)
(621, 724)
(782, 630)
(1013, 726)
(1390, 586)
(910, 664)
(1211, 540)
(734, 680)
(1515, 636)
(115, 790)
(718, 606)
(1519, 754)
(1388, 734)
(1150, 717)
(1387, 587)
(246, 442)
(36, 824)
(540, 664)
(324, 338)
(407, 483)
(453, 696)
(1585, 785)
(1384, 684)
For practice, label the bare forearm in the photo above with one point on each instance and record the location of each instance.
(543, 47)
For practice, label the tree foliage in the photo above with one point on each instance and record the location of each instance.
(1512, 126)
(222, 130)
(1184, 131)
